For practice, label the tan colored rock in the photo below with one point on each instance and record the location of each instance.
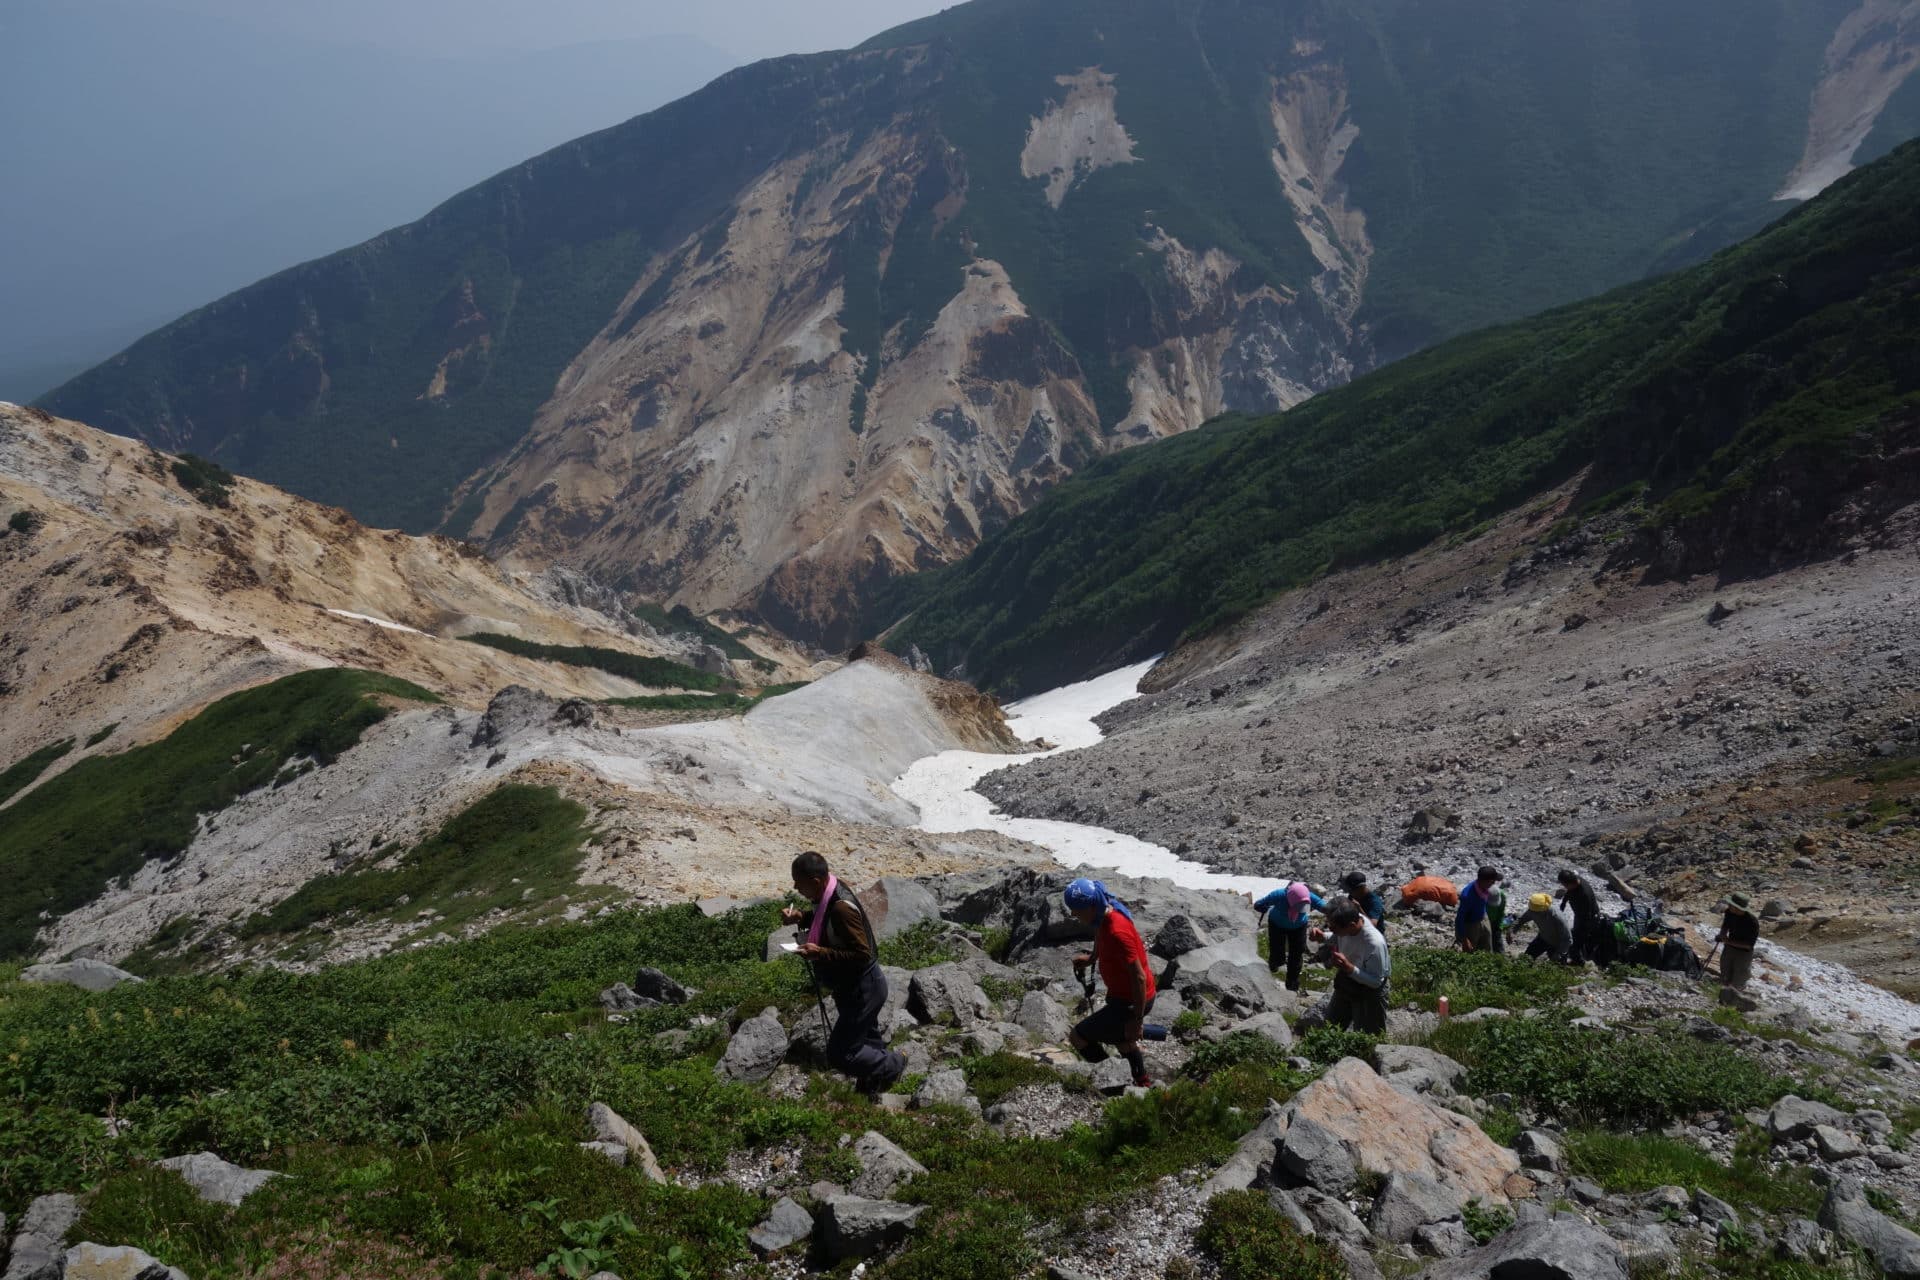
(1388, 1132)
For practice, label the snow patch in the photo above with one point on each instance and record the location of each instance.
(378, 622)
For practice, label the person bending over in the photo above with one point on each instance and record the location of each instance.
(841, 949)
(1121, 959)
(1359, 1000)
(1553, 940)
(1287, 908)
(1581, 900)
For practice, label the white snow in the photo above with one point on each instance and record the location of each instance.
(378, 622)
(941, 787)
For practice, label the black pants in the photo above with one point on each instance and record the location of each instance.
(1586, 944)
(856, 1045)
(1356, 1006)
(1540, 947)
(1290, 945)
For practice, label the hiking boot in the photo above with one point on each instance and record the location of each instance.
(1143, 1081)
(886, 1079)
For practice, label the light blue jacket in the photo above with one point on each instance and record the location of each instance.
(1285, 917)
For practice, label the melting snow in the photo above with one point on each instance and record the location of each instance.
(378, 622)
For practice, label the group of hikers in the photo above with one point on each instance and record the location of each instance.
(842, 950)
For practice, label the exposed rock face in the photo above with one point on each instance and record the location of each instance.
(1075, 136)
(1871, 56)
(854, 1227)
(215, 1179)
(1893, 1248)
(88, 975)
(1561, 1249)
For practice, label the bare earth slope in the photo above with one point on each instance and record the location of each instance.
(1565, 714)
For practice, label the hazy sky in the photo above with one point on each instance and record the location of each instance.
(751, 29)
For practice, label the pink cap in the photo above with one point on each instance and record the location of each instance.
(1297, 893)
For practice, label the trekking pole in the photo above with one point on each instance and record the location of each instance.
(1708, 964)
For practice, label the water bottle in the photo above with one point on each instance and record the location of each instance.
(1152, 1031)
(1441, 1007)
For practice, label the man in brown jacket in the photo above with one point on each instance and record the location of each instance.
(842, 951)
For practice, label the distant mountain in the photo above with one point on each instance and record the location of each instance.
(833, 319)
(173, 157)
(1764, 406)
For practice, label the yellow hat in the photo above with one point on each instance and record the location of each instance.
(1541, 902)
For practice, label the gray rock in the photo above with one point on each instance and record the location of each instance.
(1540, 1150)
(942, 1088)
(884, 1167)
(1271, 1025)
(1893, 1248)
(1558, 1249)
(1060, 1271)
(756, 1049)
(88, 975)
(984, 1040)
(621, 998)
(1713, 1211)
(1416, 1082)
(1585, 1192)
(786, 1225)
(1254, 1153)
(1242, 987)
(1312, 1155)
(1645, 1242)
(651, 984)
(1331, 1216)
(39, 1249)
(896, 904)
(1442, 1240)
(1804, 1241)
(1394, 1059)
(608, 1125)
(673, 1043)
(607, 1150)
(214, 1179)
(1836, 1144)
(1112, 1076)
(1408, 1202)
(1360, 1263)
(1287, 1207)
(1794, 1118)
(88, 1261)
(778, 941)
(854, 1227)
(947, 993)
(1178, 936)
(1043, 1018)
(1667, 1200)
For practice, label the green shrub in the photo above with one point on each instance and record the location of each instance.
(1476, 980)
(920, 947)
(1484, 1221)
(100, 735)
(1597, 1077)
(661, 673)
(206, 480)
(1327, 1045)
(22, 773)
(1251, 1240)
(25, 522)
(994, 1076)
(1634, 1162)
(1233, 1049)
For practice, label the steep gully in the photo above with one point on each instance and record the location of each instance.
(941, 788)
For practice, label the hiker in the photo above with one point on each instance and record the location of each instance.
(1473, 920)
(1580, 899)
(1739, 930)
(1287, 909)
(1371, 904)
(840, 950)
(1554, 940)
(1426, 888)
(1359, 1000)
(1121, 959)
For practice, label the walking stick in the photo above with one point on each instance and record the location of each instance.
(1708, 964)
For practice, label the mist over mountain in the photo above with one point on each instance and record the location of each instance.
(157, 159)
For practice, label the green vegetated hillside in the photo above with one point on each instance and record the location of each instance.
(1510, 155)
(427, 1109)
(1804, 340)
(66, 840)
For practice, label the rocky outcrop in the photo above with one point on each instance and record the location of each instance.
(757, 1047)
(103, 1262)
(88, 975)
(1560, 1249)
(216, 1180)
(1894, 1249)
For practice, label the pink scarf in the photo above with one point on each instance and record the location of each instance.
(820, 911)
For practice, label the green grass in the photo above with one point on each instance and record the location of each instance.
(1476, 980)
(24, 772)
(732, 703)
(1250, 1240)
(1635, 1162)
(208, 481)
(682, 620)
(661, 673)
(63, 842)
(101, 734)
(1785, 360)
(517, 847)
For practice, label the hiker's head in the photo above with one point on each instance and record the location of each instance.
(1487, 877)
(1298, 894)
(1540, 902)
(1569, 879)
(1354, 882)
(1086, 899)
(1344, 919)
(810, 875)
(1740, 903)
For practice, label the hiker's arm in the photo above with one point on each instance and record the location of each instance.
(847, 917)
(1317, 902)
(1271, 900)
(1460, 919)
(1372, 969)
(1138, 999)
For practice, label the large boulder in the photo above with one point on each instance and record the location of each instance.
(651, 984)
(1254, 1154)
(88, 975)
(39, 1248)
(1541, 1150)
(1562, 1248)
(1271, 1025)
(1388, 1132)
(1410, 1201)
(947, 993)
(855, 1227)
(786, 1225)
(89, 1261)
(884, 1167)
(1331, 1217)
(1893, 1248)
(1244, 987)
(895, 904)
(214, 1179)
(1043, 1018)
(1794, 1118)
(755, 1050)
(1177, 937)
(1312, 1155)
(608, 1125)
(621, 998)
(1441, 1073)
(942, 1088)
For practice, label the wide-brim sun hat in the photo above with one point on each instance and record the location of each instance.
(1741, 903)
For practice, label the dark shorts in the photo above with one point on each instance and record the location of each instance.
(1107, 1024)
